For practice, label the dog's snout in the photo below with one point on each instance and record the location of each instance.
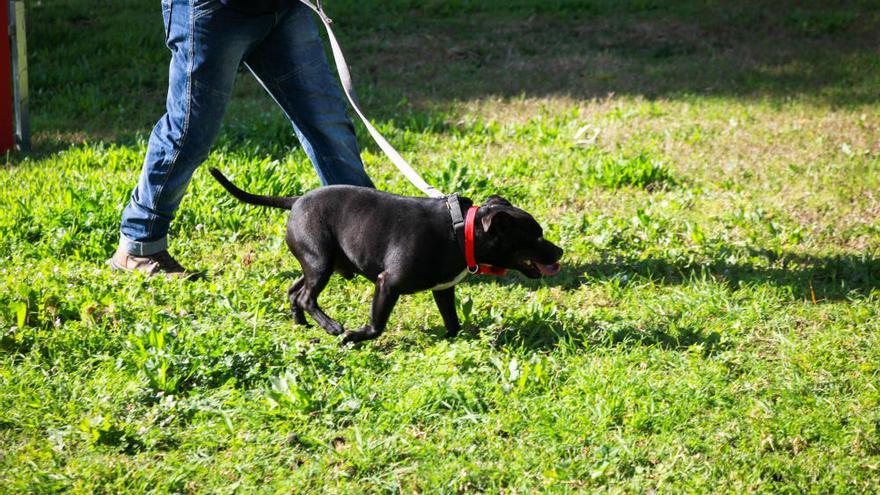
(552, 252)
(551, 247)
(557, 252)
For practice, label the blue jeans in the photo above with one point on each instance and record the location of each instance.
(208, 43)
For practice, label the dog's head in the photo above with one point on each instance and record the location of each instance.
(511, 238)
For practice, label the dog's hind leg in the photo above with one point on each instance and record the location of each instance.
(293, 295)
(384, 299)
(316, 279)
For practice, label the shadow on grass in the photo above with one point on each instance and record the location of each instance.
(589, 49)
(428, 56)
(545, 334)
(806, 277)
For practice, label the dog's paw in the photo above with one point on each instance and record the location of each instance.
(360, 335)
(301, 321)
(350, 337)
(335, 330)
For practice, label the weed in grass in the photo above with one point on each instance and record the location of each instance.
(641, 171)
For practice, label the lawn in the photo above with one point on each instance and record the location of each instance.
(712, 170)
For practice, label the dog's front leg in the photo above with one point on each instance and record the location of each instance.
(445, 300)
(384, 299)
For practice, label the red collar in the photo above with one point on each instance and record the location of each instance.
(473, 266)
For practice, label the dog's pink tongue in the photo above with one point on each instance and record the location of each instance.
(549, 270)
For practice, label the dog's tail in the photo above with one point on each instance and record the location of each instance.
(284, 202)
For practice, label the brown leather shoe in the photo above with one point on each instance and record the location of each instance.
(160, 263)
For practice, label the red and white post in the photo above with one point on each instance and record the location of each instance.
(14, 117)
(7, 129)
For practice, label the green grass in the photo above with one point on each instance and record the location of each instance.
(711, 170)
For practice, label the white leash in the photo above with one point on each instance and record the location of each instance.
(348, 88)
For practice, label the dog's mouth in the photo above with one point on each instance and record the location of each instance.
(536, 269)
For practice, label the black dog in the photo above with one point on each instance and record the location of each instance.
(402, 244)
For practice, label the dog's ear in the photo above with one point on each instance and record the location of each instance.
(496, 200)
(501, 212)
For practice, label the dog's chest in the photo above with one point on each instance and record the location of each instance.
(445, 285)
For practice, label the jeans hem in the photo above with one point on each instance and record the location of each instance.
(143, 248)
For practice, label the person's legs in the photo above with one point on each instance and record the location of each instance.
(207, 43)
(290, 63)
